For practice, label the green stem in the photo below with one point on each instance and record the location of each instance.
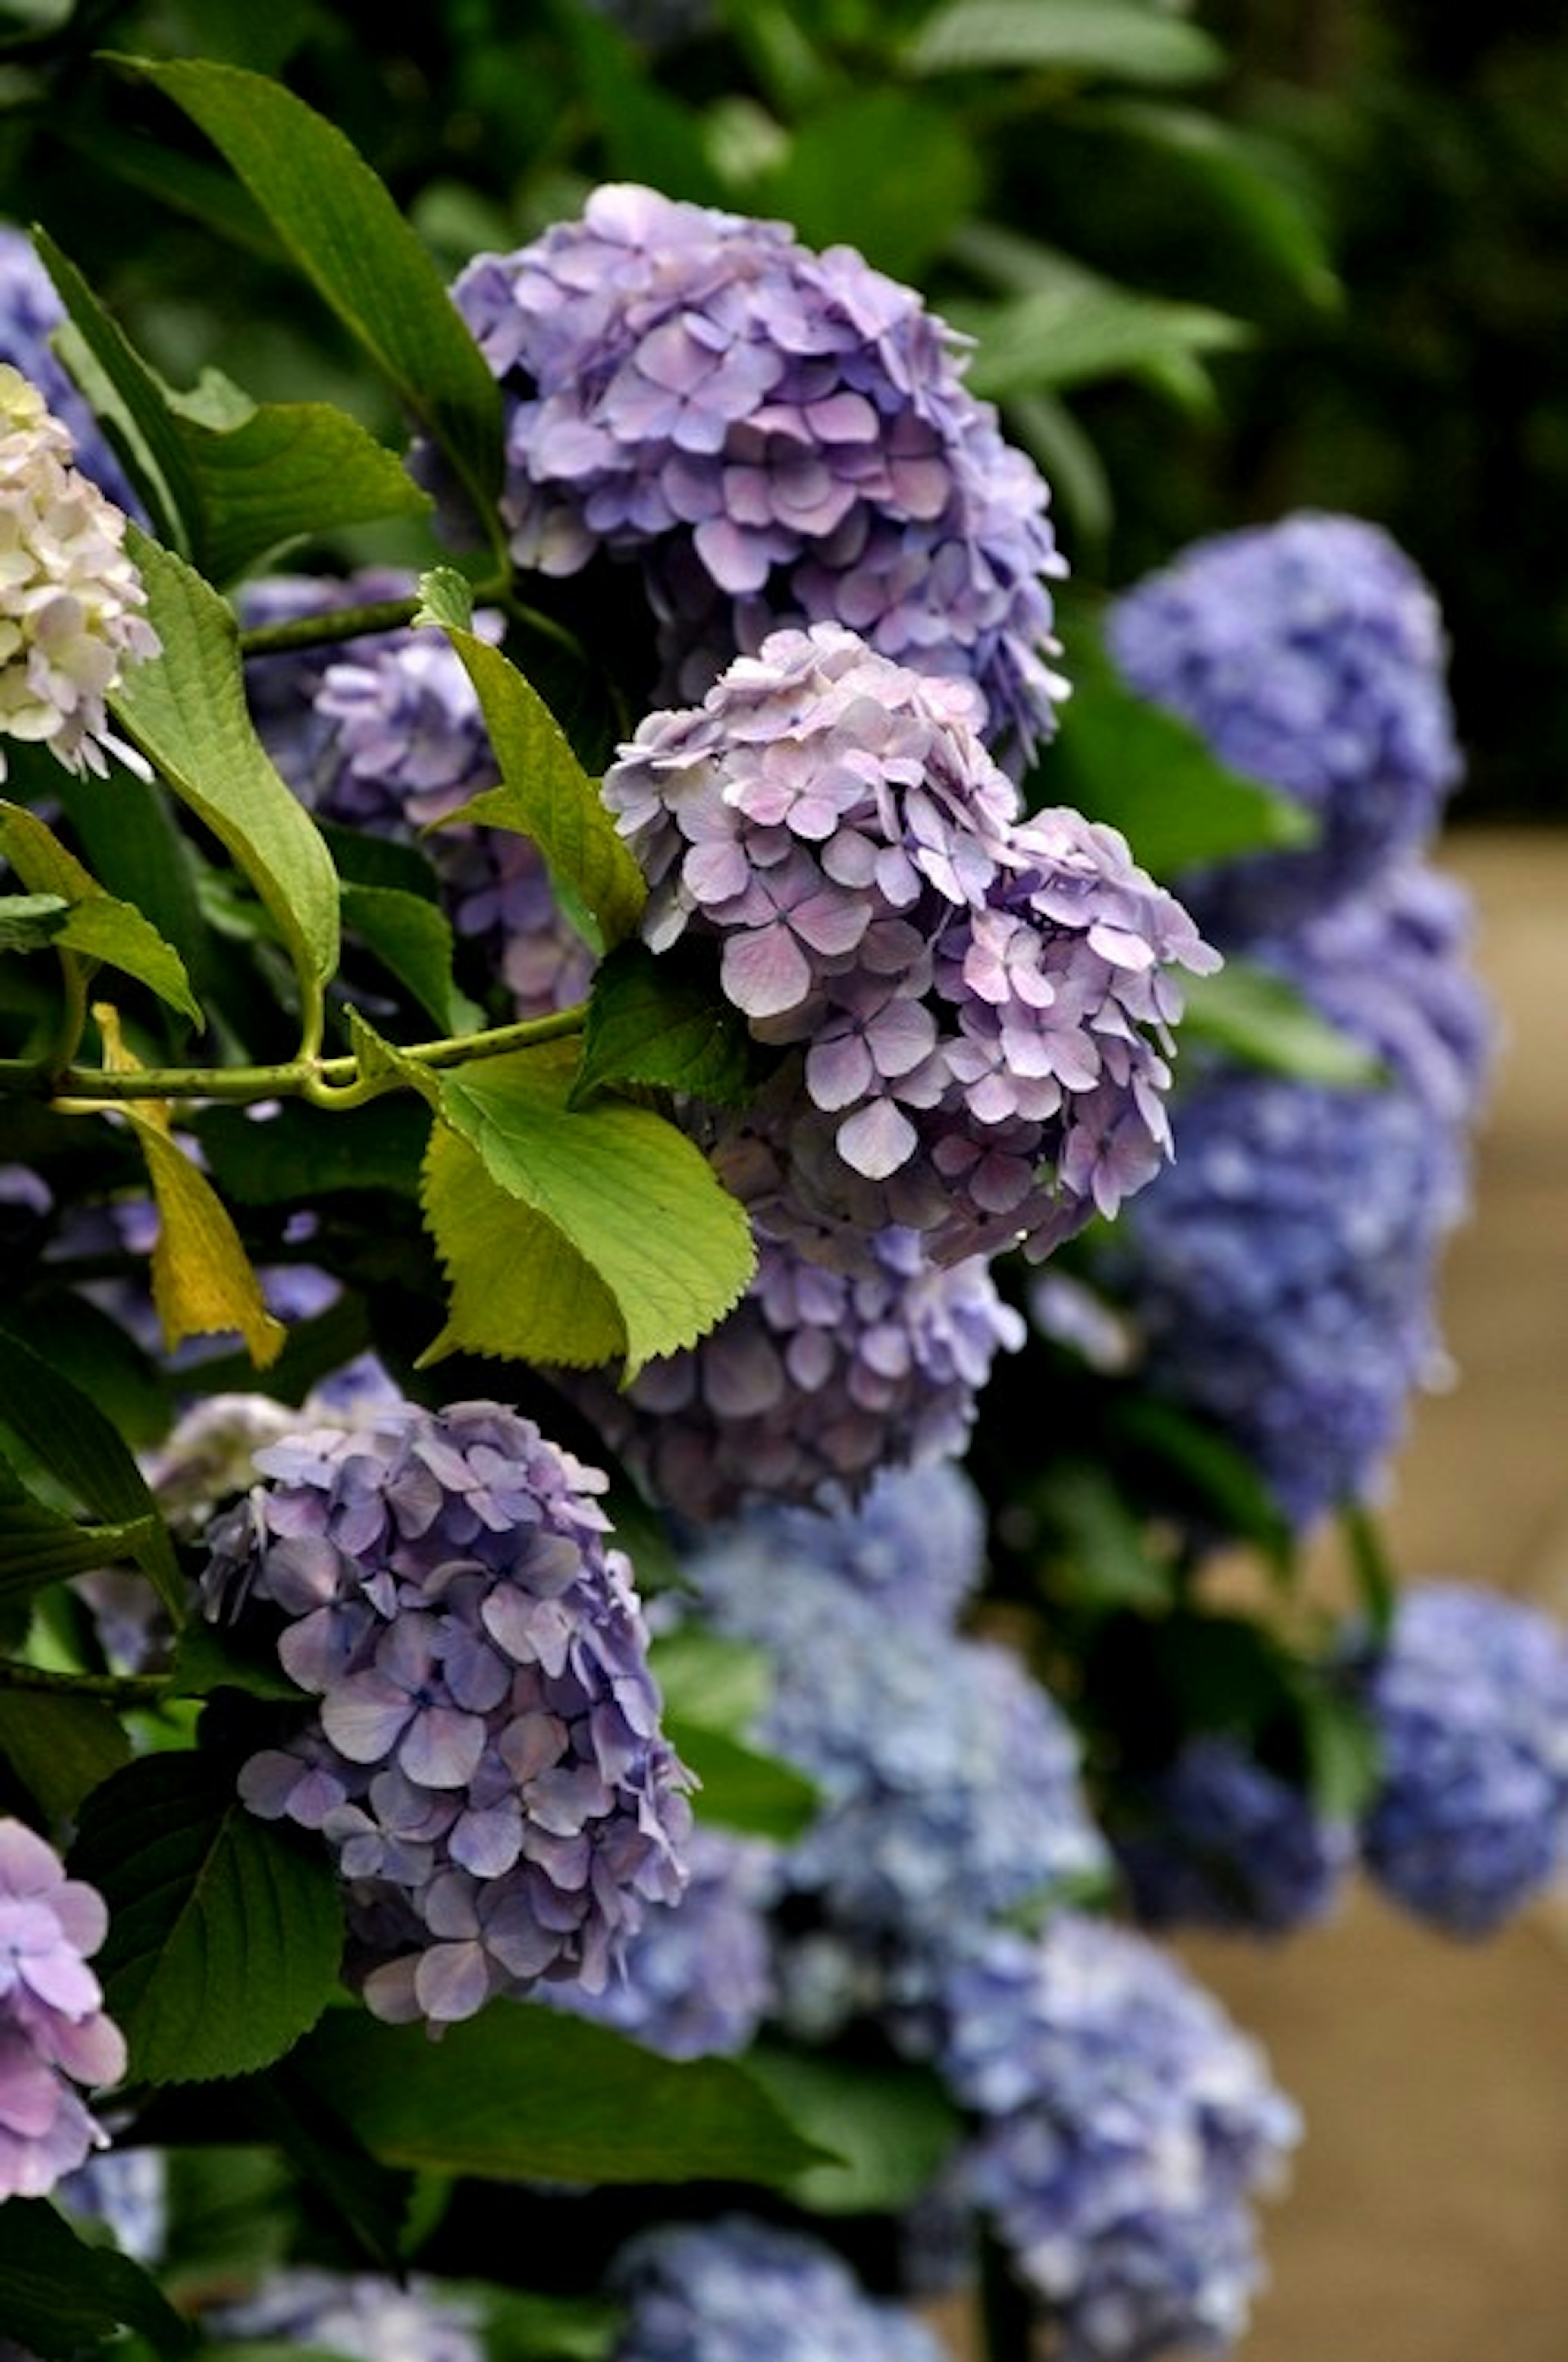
(120, 1689)
(337, 623)
(325, 1082)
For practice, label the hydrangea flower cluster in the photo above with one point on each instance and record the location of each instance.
(697, 1978)
(1282, 1275)
(127, 2190)
(1218, 1839)
(814, 1383)
(1125, 2127)
(1469, 1699)
(71, 599)
(485, 1761)
(949, 1779)
(1311, 654)
(738, 2290)
(914, 1544)
(53, 2032)
(358, 2315)
(980, 1006)
(776, 437)
(30, 311)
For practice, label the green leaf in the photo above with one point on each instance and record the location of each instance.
(1085, 328)
(98, 925)
(521, 2327)
(660, 1020)
(57, 2292)
(666, 1250)
(83, 1451)
(1120, 758)
(414, 942)
(648, 134)
(210, 1658)
(307, 1152)
(1376, 1581)
(882, 170)
(31, 923)
(893, 2126)
(59, 1746)
(1212, 1471)
(40, 1545)
(338, 222)
(287, 471)
(1261, 1017)
(706, 1677)
(1342, 1746)
(187, 712)
(128, 832)
(1073, 37)
(741, 1787)
(544, 792)
(526, 2093)
(1100, 1555)
(224, 1933)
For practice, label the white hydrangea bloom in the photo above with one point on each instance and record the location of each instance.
(69, 594)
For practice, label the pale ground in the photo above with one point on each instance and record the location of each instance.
(1427, 2219)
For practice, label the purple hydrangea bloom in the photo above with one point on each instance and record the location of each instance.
(485, 1761)
(1310, 654)
(1218, 1839)
(1282, 1275)
(1125, 2125)
(979, 1007)
(814, 1383)
(776, 437)
(30, 311)
(949, 1779)
(697, 1978)
(1469, 1699)
(737, 2290)
(358, 2315)
(53, 2033)
(281, 687)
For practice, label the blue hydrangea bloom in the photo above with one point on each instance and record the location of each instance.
(914, 1543)
(696, 1979)
(127, 2190)
(949, 1779)
(1218, 1839)
(358, 2315)
(774, 436)
(30, 311)
(1282, 1275)
(814, 1383)
(1308, 653)
(484, 1760)
(1124, 2127)
(1469, 1699)
(739, 2291)
(979, 1007)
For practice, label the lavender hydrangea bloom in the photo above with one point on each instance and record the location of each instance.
(979, 1007)
(1282, 1274)
(282, 685)
(816, 1382)
(1124, 2127)
(1310, 654)
(739, 2291)
(698, 1980)
(1218, 1839)
(1469, 1699)
(776, 437)
(53, 2033)
(30, 311)
(358, 2315)
(485, 1762)
(949, 1779)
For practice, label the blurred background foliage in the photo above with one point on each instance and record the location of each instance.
(1220, 261)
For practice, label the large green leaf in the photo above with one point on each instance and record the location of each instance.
(413, 941)
(522, 2092)
(883, 171)
(544, 792)
(98, 925)
(57, 2292)
(1086, 328)
(225, 1931)
(187, 712)
(741, 1789)
(1074, 36)
(659, 1018)
(665, 1250)
(894, 2127)
(337, 221)
(1260, 1018)
(60, 1746)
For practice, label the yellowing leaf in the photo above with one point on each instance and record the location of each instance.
(202, 1277)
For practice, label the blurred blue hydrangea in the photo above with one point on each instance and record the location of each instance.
(1218, 1839)
(30, 311)
(1308, 653)
(774, 436)
(814, 1383)
(979, 1007)
(1281, 1275)
(1468, 1696)
(949, 1780)
(737, 2290)
(127, 2190)
(1125, 2126)
(696, 1979)
(914, 1543)
(485, 1761)
(358, 2315)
